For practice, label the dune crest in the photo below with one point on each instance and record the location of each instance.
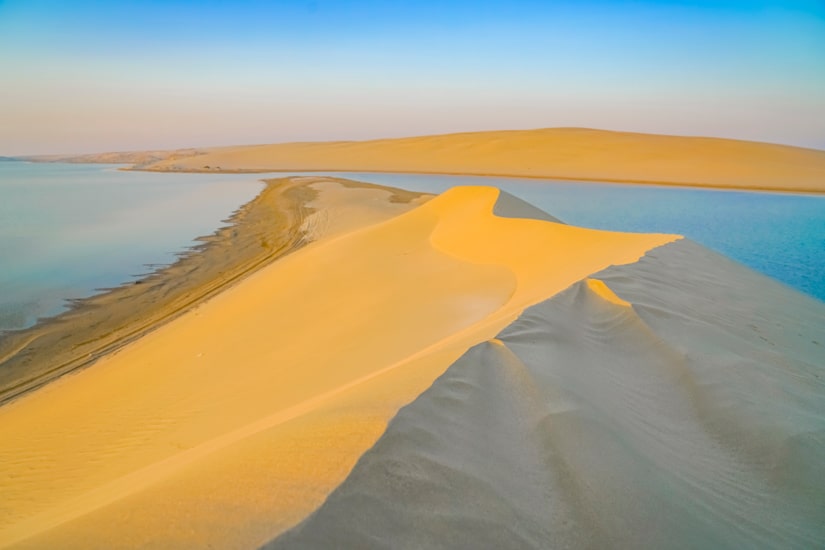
(600, 288)
(288, 376)
(695, 418)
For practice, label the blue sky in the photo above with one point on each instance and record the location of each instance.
(92, 76)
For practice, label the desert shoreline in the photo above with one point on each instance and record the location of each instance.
(369, 275)
(259, 232)
(426, 352)
(201, 386)
(212, 248)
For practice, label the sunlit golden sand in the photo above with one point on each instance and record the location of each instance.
(234, 421)
(564, 153)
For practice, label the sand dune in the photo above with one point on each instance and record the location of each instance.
(677, 402)
(565, 153)
(462, 371)
(232, 422)
(281, 219)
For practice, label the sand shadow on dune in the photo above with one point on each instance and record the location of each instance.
(693, 417)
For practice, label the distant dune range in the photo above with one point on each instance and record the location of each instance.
(562, 153)
(459, 371)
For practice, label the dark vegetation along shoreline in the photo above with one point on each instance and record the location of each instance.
(267, 227)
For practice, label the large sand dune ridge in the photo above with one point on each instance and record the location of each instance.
(287, 377)
(677, 402)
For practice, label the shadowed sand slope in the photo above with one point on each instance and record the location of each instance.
(677, 402)
(568, 153)
(232, 422)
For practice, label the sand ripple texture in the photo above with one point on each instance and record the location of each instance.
(232, 422)
(677, 402)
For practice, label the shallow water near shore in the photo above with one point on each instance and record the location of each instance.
(67, 230)
(779, 234)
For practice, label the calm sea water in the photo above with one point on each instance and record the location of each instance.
(781, 235)
(69, 229)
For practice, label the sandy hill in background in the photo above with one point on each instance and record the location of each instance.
(553, 153)
(564, 153)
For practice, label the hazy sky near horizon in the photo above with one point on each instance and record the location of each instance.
(91, 76)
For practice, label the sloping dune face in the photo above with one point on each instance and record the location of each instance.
(677, 402)
(234, 421)
(567, 153)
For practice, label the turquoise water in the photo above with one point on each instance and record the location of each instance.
(781, 235)
(69, 229)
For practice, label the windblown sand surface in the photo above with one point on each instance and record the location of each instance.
(232, 422)
(459, 372)
(279, 220)
(678, 402)
(563, 153)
